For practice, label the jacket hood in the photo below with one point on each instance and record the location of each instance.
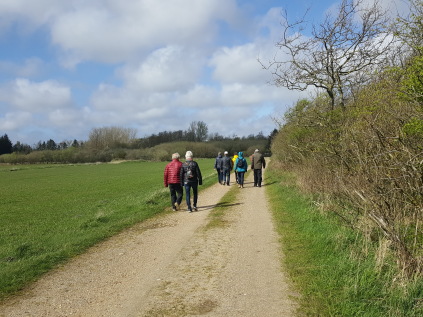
(241, 154)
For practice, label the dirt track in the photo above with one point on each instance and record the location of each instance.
(172, 266)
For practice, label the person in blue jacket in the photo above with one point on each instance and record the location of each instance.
(241, 167)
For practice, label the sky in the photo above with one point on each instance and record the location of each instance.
(67, 67)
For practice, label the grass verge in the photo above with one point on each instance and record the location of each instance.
(328, 265)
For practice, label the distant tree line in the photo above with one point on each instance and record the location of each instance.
(109, 143)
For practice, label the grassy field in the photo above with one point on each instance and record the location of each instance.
(49, 213)
(329, 265)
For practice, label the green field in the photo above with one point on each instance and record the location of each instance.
(49, 213)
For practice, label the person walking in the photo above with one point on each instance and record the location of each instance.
(241, 167)
(218, 167)
(227, 166)
(233, 161)
(190, 178)
(172, 179)
(257, 163)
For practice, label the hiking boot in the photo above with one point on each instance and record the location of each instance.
(189, 209)
(174, 208)
(195, 208)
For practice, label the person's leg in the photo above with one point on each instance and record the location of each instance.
(219, 175)
(223, 176)
(228, 177)
(195, 193)
(255, 177)
(241, 178)
(259, 178)
(180, 194)
(188, 196)
(172, 190)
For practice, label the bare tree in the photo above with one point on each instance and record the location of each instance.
(342, 52)
(111, 137)
(197, 131)
(409, 29)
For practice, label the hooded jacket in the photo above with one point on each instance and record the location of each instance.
(244, 166)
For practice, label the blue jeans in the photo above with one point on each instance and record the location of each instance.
(226, 175)
(241, 178)
(188, 187)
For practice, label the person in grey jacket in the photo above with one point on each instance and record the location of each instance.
(241, 167)
(227, 165)
(257, 163)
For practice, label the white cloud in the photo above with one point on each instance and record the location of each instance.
(29, 68)
(238, 64)
(15, 120)
(114, 31)
(36, 97)
(167, 69)
(30, 14)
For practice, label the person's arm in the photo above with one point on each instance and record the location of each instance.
(200, 178)
(264, 163)
(181, 175)
(165, 175)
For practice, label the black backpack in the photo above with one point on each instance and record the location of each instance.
(190, 170)
(240, 163)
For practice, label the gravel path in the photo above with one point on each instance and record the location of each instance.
(173, 266)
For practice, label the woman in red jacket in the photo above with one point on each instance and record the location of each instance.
(172, 179)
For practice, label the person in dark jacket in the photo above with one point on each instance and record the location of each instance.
(227, 165)
(240, 167)
(172, 179)
(257, 163)
(191, 178)
(218, 166)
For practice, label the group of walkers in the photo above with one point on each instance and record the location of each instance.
(178, 175)
(224, 165)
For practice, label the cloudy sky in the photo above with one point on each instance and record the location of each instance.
(67, 67)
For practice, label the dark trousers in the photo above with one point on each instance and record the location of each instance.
(219, 175)
(188, 187)
(241, 178)
(226, 175)
(176, 193)
(257, 177)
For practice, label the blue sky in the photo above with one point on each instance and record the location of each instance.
(67, 67)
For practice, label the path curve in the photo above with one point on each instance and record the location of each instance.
(173, 266)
